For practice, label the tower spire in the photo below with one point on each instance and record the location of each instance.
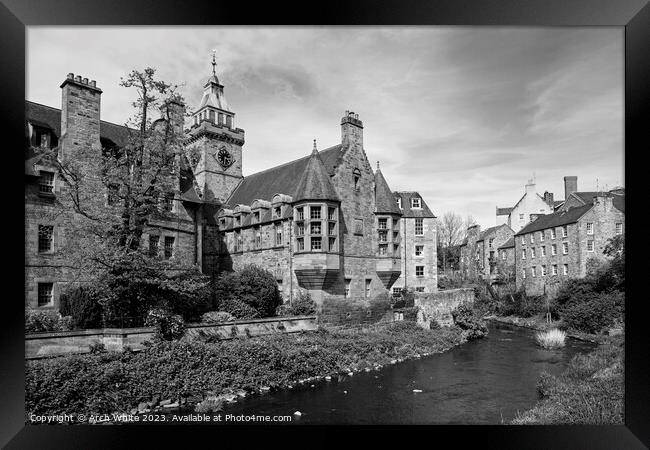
(214, 61)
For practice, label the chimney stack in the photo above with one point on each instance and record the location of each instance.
(351, 130)
(80, 105)
(570, 186)
(548, 198)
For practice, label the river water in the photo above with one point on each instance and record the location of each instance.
(481, 382)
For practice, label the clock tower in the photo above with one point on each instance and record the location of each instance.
(214, 146)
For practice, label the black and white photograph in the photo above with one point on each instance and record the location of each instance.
(324, 225)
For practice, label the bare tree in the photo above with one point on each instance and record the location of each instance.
(451, 232)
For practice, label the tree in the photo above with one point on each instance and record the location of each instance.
(110, 195)
(450, 234)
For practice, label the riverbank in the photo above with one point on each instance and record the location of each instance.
(590, 391)
(171, 374)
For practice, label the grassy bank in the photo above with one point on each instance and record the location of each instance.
(104, 383)
(590, 391)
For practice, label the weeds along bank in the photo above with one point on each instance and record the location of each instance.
(103, 383)
(590, 391)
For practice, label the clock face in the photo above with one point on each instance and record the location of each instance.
(224, 158)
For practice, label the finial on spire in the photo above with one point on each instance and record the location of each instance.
(377, 165)
(315, 150)
(214, 61)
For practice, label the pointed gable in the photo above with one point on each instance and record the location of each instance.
(384, 198)
(315, 183)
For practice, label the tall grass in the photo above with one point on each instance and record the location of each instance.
(551, 339)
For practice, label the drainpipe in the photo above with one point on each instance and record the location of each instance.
(290, 258)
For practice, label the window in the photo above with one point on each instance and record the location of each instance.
(256, 217)
(619, 228)
(237, 239)
(533, 271)
(331, 228)
(277, 211)
(552, 233)
(383, 250)
(229, 121)
(301, 229)
(278, 235)
(543, 271)
(301, 244)
(331, 213)
(238, 220)
(168, 202)
(368, 284)
(590, 245)
(565, 231)
(523, 254)
(554, 249)
(541, 236)
(544, 250)
(521, 217)
(503, 255)
(416, 202)
(565, 248)
(523, 240)
(532, 238)
(240, 242)
(45, 233)
(347, 287)
(554, 269)
(45, 294)
(490, 242)
(532, 253)
(46, 182)
(383, 224)
(315, 228)
(565, 269)
(383, 236)
(523, 274)
(397, 292)
(419, 227)
(590, 228)
(300, 214)
(419, 249)
(220, 119)
(332, 244)
(113, 194)
(356, 173)
(399, 204)
(153, 245)
(314, 212)
(419, 289)
(169, 246)
(419, 271)
(316, 243)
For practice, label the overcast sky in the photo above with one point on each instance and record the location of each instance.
(464, 115)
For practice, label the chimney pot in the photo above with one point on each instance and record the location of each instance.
(70, 76)
(85, 81)
(78, 78)
(93, 83)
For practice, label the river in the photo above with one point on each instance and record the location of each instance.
(485, 381)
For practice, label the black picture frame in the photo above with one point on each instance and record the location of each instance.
(633, 15)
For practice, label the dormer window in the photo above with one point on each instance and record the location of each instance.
(256, 216)
(46, 182)
(399, 202)
(277, 211)
(415, 202)
(357, 178)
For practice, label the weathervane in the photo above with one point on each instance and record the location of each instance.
(214, 61)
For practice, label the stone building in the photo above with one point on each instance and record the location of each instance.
(326, 223)
(506, 259)
(530, 206)
(419, 253)
(479, 252)
(560, 245)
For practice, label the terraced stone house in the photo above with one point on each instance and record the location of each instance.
(326, 223)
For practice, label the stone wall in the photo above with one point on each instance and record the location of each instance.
(353, 311)
(39, 345)
(439, 305)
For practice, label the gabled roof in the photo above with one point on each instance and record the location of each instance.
(48, 117)
(384, 198)
(407, 211)
(489, 231)
(556, 219)
(315, 183)
(510, 243)
(282, 179)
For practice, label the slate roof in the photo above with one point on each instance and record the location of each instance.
(315, 183)
(488, 231)
(49, 117)
(282, 179)
(407, 211)
(384, 198)
(588, 197)
(556, 219)
(510, 243)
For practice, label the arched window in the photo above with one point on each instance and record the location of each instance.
(211, 116)
(356, 173)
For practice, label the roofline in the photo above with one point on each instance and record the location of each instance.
(59, 110)
(520, 232)
(290, 162)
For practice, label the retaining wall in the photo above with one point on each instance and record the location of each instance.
(439, 305)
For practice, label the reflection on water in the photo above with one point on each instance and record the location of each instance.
(481, 382)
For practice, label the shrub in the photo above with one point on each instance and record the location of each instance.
(303, 305)
(466, 319)
(81, 305)
(253, 287)
(43, 321)
(520, 304)
(551, 339)
(168, 326)
(217, 317)
(595, 313)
